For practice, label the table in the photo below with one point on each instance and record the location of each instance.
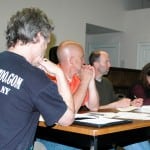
(84, 137)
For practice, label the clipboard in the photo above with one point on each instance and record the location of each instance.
(100, 122)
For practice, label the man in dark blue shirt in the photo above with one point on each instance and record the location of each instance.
(25, 90)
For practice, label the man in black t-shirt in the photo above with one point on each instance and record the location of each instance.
(25, 90)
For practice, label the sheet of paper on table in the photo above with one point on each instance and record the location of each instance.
(97, 120)
(41, 118)
(144, 109)
(133, 115)
(142, 113)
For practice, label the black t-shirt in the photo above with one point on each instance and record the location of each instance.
(25, 92)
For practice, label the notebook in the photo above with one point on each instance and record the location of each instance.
(101, 121)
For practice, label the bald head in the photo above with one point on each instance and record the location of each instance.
(68, 49)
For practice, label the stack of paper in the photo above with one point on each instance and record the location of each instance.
(108, 118)
(144, 109)
(133, 115)
(129, 108)
(97, 120)
(140, 113)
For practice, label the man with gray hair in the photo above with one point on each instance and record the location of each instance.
(25, 90)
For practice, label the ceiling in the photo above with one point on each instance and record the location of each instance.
(136, 4)
(128, 5)
(93, 29)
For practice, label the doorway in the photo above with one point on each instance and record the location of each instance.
(103, 38)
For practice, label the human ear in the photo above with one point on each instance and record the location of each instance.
(37, 38)
(72, 60)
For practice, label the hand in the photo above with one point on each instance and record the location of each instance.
(124, 102)
(138, 102)
(86, 73)
(49, 67)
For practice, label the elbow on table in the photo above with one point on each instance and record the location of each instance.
(96, 108)
(67, 119)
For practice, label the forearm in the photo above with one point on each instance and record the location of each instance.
(109, 106)
(124, 102)
(79, 95)
(67, 118)
(64, 90)
(93, 103)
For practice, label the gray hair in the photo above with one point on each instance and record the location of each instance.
(26, 24)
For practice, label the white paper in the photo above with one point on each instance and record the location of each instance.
(129, 108)
(133, 115)
(104, 114)
(96, 118)
(144, 109)
(118, 115)
(41, 118)
(84, 115)
(101, 121)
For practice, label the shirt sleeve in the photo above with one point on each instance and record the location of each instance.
(50, 104)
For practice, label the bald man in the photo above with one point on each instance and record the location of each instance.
(80, 77)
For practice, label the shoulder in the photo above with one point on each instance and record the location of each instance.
(106, 80)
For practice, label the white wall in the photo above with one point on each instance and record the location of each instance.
(137, 30)
(107, 41)
(69, 16)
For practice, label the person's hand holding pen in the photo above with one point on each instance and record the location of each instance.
(137, 102)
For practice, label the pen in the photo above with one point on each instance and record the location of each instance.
(82, 118)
